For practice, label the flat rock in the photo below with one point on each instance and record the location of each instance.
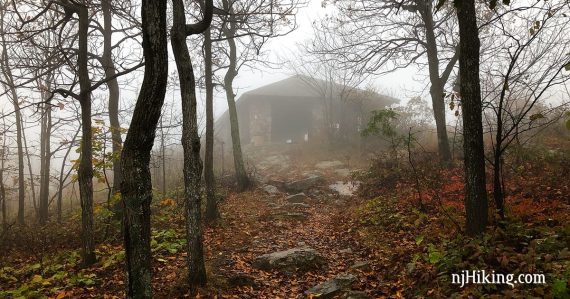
(332, 287)
(277, 183)
(296, 198)
(271, 190)
(295, 259)
(304, 184)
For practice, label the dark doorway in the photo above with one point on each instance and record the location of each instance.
(290, 121)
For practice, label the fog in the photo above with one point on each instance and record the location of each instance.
(284, 149)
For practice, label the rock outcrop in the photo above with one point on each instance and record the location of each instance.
(292, 260)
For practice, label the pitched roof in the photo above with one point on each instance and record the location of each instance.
(295, 86)
(300, 86)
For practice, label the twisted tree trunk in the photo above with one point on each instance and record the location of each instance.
(243, 181)
(437, 82)
(190, 138)
(136, 187)
(114, 94)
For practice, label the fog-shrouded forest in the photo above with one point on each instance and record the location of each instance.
(285, 149)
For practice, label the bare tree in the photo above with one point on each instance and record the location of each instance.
(519, 74)
(211, 203)
(71, 60)
(376, 37)
(45, 152)
(190, 138)
(114, 91)
(136, 187)
(245, 27)
(476, 205)
(3, 164)
(10, 84)
(229, 30)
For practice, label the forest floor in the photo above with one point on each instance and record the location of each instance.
(388, 242)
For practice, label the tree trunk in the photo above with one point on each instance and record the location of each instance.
(136, 187)
(437, 83)
(498, 193)
(45, 159)
(243, 181)
(7, 71)
(163, 159)
(2, 188)
(190, 144)
(114, 94)
(85, 171)
(21, 182)
(476, 205)
(437, 100)
(30, 171)
(211, 205)
(3, 198)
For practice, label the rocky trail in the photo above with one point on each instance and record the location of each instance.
(293, 239)
(291, 249)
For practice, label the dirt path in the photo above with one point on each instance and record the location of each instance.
(249, 229)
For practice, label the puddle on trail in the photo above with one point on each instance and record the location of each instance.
(345, 188)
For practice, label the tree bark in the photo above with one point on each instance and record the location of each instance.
(2, 188)
(209, 179)
(476, 205)
(136, 187)
(3, 197)
(498, 194)
(243, 181)
(85, 171)
(21, 182)
(114, 94)
(30, 171)
(437, 82)
(190, 139)
(45, 159)
(163, 159)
